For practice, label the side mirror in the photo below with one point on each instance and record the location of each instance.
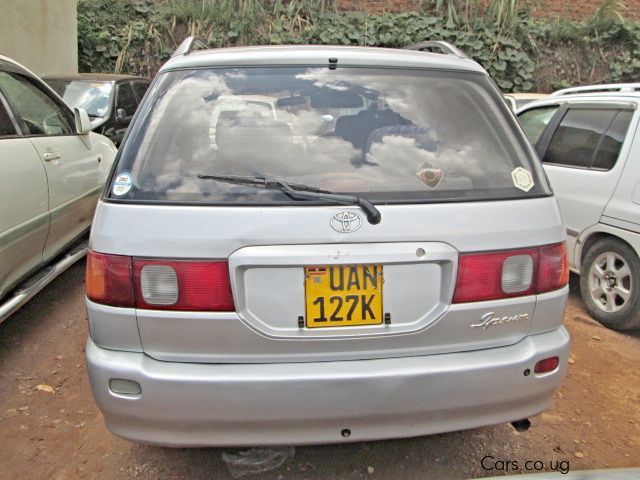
(83, 124)
(121, 115)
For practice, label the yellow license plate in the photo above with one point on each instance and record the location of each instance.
(343, 295)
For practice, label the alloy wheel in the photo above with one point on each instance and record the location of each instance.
(610, 282)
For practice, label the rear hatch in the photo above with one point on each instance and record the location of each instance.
(313, 278)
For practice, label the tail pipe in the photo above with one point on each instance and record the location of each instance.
(521, 425)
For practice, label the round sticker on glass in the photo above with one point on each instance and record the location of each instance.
(522, 179)
(122, 183)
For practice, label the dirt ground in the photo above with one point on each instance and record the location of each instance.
(51, 429)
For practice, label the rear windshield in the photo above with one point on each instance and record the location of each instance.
(390, 135)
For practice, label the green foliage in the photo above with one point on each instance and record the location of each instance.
(137, 36)
(520, 53)
(607, 11)
(625, 61)
(502, 56)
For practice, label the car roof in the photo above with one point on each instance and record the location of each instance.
(104, 77)
(526, 95)
(602, 97)
(320, 55)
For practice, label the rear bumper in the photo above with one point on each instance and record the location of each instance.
(183, 404)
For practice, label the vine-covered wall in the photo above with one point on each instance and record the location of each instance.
(522, 53)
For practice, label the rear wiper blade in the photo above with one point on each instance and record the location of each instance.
(300, 192)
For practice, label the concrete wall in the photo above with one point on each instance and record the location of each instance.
(40, 34)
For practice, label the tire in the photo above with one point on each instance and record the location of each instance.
(610, 284)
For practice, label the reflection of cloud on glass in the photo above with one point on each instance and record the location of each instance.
(332, 154)
(414, 89)
(354, 129)
(397, 156)
(186, 186)
(322, 77)
(306, 122)
(184, 139)
(401, 158)
(235, 74)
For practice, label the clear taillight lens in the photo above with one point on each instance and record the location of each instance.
(159, 285)
(504, 274)
(517, 273)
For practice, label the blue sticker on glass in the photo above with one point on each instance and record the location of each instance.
(122, 183)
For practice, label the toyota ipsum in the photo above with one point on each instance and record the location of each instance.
(363, 246)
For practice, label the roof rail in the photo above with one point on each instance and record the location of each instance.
(445, 47)
(603, 88)
(188, 45)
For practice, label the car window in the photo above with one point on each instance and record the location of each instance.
(40, 113)
(612, 141)
(94, 96)
(6, 125)
(140, 89)
(575, 141)
(536, 120)
(521, 102)
(389, 134)
(126, 99)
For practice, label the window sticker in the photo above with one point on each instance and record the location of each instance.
(122, 184)
(522, 179)
(430, 174)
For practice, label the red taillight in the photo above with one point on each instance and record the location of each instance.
(554, 268)
(109, 279)
(182, 285)
(546, 365)
(158, 284)
(480, 276)
(504, 274)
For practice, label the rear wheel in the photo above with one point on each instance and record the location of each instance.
(610, 282)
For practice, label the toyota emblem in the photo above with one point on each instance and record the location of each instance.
(346, 222)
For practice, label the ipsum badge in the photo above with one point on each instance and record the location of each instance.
(122, 184)
(522, 179)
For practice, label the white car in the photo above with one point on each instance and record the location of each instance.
(52, 170)
(586, 138)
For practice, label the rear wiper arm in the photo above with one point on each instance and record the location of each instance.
(301, 192)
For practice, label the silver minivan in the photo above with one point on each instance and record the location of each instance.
(379, 257)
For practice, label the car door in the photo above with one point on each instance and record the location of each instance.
(579, 151)
(24, 201)
(70, 164)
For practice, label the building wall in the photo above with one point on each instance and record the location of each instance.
(40, 34)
